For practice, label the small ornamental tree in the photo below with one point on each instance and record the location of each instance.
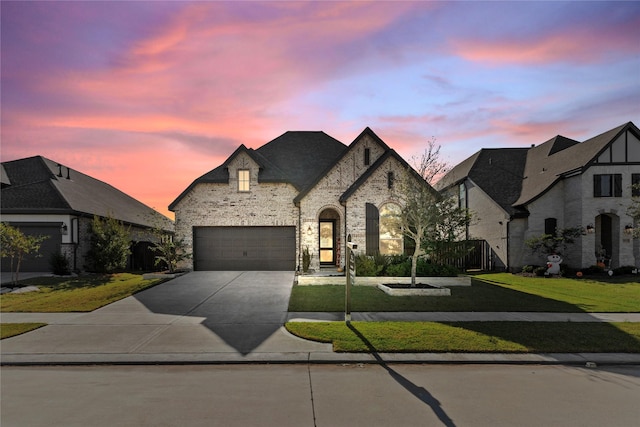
(169, 251)
(110, 245)
(16, 245)
(548, 244)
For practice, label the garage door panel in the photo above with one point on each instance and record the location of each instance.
(244, 248)
(38, 262)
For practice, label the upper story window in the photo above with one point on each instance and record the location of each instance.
(367, 156)
(390, 179)
(608, 185)
(244, 178)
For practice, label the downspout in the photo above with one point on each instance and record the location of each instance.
(508, 248)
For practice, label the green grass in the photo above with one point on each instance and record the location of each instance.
(76, 294)
(494, 337)
(489, 292)
(12, 329)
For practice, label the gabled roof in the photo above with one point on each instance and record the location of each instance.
(374, 167)
(497, 171)
(295, 157)
(366, 132)
(42, 186)
(4, 178)
(546, 164)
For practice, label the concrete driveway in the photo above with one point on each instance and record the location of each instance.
(200, 316)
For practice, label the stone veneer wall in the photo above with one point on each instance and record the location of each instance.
(221, 204)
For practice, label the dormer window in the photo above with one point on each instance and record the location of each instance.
(244, 178)
(367, 156)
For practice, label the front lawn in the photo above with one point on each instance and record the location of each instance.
(12, 329)
(489, 292)
(473, 337)
(74, 294)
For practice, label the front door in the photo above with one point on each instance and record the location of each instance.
(327, 242)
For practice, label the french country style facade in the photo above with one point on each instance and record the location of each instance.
(303, 192)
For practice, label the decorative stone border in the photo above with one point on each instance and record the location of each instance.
(375, 281)
(436, 291)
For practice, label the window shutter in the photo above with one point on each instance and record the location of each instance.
(372, 229)
(617, 185)
(597, 186)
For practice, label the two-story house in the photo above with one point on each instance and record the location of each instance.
(303, 191)
(520, 193)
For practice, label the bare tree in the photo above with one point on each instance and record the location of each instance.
(426, 218)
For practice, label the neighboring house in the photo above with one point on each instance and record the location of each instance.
(520, 193)
(43, 197)
(261, 209)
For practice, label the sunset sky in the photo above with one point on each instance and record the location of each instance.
(148, 96)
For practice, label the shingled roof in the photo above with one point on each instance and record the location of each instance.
(547, 164)
(497, 171)
(295, 157)
(41, 186)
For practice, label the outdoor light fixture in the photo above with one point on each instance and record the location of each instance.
(590, 229)
(64, 229)
(309, 231)
(628, 229)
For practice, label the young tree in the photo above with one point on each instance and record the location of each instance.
(426, 217)
(169, 251)
(16, 245)
(110, 245)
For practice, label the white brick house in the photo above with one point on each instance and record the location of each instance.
(520, 193)
(262, 208)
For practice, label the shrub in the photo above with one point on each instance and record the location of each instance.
(539, 271)
(59, 264)
(366, 266)
(528, 268)
(625, 269)
(110, 245)
(306, 260)
(594, 269)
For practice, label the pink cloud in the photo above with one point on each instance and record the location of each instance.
(581, 45)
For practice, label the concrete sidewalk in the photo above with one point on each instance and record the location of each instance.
(123, 333)
(236, 317)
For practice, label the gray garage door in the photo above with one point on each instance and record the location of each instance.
(244, 248)
(47, 247)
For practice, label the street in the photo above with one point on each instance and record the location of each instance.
(320, 395)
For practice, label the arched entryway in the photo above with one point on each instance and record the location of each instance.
(329, 237)
(608, 240)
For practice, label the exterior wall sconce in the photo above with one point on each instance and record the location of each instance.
(590, 229)
(64, 229)
(628, 229)
(309, 231)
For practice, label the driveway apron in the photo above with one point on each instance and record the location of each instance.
(198, 313)
(242, 308)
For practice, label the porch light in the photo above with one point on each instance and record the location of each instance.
(590, 229)
(64, 229)
(628, 229)
(309, 231)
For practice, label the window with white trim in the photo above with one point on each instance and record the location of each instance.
(244, 178)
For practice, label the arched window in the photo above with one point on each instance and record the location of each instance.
(391, 240)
